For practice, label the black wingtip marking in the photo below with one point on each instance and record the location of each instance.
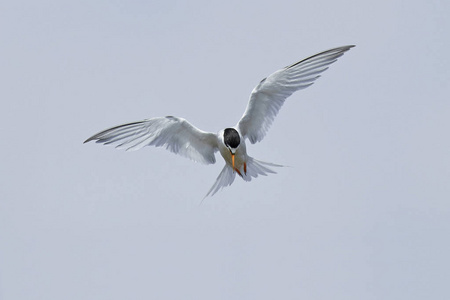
(341, 49)
(98, 135)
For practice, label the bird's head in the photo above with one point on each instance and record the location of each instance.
(232, 140)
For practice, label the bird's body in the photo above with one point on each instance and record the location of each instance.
(181, 137)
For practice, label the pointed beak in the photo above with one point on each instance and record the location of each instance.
(232, 159)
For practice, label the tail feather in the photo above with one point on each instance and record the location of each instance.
(254, 168)
(225, 178)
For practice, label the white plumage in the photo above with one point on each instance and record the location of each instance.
(181, 137)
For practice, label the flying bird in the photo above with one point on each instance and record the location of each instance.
(181, 137)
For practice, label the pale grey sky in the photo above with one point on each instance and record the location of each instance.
(362, 213)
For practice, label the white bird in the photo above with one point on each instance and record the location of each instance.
(181, 137)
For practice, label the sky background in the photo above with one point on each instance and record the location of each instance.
(363, 211)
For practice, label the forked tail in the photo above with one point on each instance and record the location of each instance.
(254, 168)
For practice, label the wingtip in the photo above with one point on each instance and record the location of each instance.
(344, 48)
(92, 138)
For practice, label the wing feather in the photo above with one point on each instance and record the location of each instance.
(175, 134)
(269, 95)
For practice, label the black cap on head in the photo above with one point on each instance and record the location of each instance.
(231, 138)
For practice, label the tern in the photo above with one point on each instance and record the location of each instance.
(181, 137)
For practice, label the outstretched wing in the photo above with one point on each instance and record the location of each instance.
(268, 97)
(176, 134)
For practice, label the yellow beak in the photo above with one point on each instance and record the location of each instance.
(232, 160)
